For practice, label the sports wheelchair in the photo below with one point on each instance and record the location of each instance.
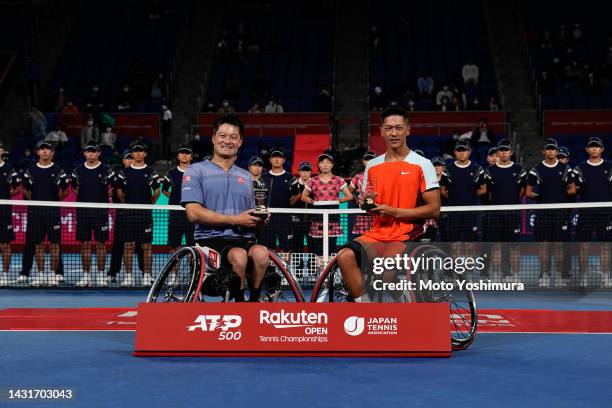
(195, 274)
(330, 287)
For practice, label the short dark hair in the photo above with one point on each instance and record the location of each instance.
(394, 111)
(229, 119)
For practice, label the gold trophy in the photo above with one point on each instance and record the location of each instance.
(261, 193)
(368, 201)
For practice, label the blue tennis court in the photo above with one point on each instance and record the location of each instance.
(505, 369)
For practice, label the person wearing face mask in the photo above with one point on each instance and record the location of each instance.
(226, 107)
(108, 138)
(90, 132)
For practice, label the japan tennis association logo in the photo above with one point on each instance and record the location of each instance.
(186, 179)
(354, 325)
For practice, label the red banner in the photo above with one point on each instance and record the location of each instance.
(127, 125)
(293, 329)
(577, 122)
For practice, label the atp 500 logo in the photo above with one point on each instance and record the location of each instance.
(227, 325)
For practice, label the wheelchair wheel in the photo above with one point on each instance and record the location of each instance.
(330, 286)
(178, 279)
(463, 312)
(279, 283)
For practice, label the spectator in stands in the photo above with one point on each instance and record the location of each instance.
(444, 92)
(456, 104)
(166, 130)
(160, 88)
(138, 184)
(411, 105)
(226, 107)
(273, 106)
(60, 102)
(445, 105)
(108, 138)
(125, 105)
(9, 186)
(209, 107)
(458, 92)
(573, 72)
(577, 33)
(493, 104)
(546, 84)
(94, 97)
(425, 85)
(90, 132)
(481, 135)
(476, 104)
(44, 181)
(70, 109)
(278, 182)
(323, 101)
(378, 101)
(470, 73)
(591, 85)
(39, 123)
(178, 224)
(57, 136)
(255, 108)
(92, 181)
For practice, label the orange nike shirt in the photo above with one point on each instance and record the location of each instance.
(398, 184)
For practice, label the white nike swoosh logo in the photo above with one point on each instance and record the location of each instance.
(404, 172)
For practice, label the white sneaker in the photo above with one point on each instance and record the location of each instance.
(544, 281)
(4, 280)
(21, 279)
(607, 281)
(84, 282)
(562, 282)
(39, 280)
(59, 278)
(146, 280)
(102, 281)
(53, 279)
(584, 280)
(127, 281)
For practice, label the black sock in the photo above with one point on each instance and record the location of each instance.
(255, 295)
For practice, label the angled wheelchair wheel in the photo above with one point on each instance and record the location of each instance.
(330, 286)
(463, 311)
(279, 283)
(178, 279)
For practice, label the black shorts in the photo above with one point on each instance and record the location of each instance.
(460, 227)
(502, 226)
(138, 226)
(43, 222)
(551, 226)
(7, 233)
(596, 220)
(92, 221)
(179, 225)
(223, 246)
